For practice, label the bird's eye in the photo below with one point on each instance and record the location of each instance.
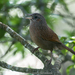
(35, 17)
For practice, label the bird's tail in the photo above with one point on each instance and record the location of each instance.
(69, 49)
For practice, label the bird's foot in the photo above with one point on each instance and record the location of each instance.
(49, 61)
(35, 50)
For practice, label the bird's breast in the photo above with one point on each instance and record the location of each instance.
(35, 34)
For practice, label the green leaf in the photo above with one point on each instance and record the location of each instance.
(73, 37)
(2, 32)
(73, 58)
(40, 49)
(63, 39)
(18, 48)
(64, 51)
(74, 48)
(68, 69)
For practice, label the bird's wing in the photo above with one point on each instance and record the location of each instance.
(49, 35)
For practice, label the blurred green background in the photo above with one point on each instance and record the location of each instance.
(60, 16)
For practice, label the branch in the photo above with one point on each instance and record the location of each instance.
(48, 70)
(19, 69)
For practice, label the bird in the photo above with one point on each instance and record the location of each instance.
(43, 36)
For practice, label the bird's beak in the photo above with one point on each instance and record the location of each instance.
(29, 16)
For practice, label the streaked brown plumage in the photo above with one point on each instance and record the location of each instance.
(42, 35)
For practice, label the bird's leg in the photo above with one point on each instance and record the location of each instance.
(51, 58)
(49, 62)
(35, 49)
